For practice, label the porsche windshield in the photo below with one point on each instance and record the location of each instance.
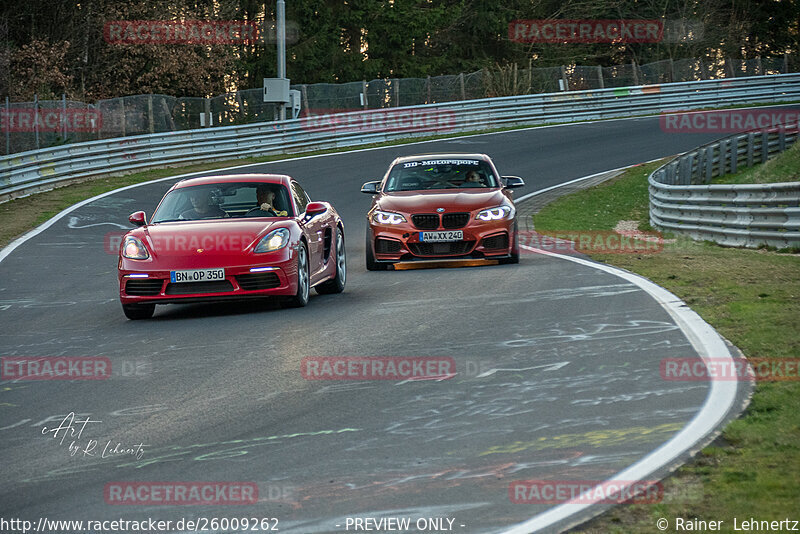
(441, 174)
(221, 201)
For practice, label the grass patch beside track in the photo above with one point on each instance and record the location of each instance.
(752, 297)
(783, 168)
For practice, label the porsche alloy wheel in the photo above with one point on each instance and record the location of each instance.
(300, 299)
(336, 284)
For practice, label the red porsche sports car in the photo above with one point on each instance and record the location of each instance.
(441, 206)
(231, 237)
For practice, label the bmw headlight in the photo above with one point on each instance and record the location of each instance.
(134, 249)
(387, 217)
(495, 214)
(275, 240)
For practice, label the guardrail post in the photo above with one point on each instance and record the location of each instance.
(364, 92)
(635, 73)
(723, 155)
(759, 67)
(671, 174)
(690, 163)
(8, 130)
(397, 92)
(564, 78)
(168, 115)
(600, 77)
(122, 119)
(729, 62)
(304, 93)
(702, 165)
(709, 164)
(63, 116)
(36, 119)
(764, 146)
(150, 122)
(207, 112)
(428, 85)
(530, 76)
(461, 85)
(750, 147)
(734, 154)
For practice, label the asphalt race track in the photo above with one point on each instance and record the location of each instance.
(558, 366)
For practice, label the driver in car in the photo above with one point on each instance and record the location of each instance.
(202, 207)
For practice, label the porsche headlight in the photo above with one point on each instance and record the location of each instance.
(275, 240)
(387, 217)
(495, 214)
(134, 249)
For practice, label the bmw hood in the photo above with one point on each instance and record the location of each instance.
(451, 201)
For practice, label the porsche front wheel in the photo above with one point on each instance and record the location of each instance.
(336, 284)
(300, 299)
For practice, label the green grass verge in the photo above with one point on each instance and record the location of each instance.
(784, 167)
(752, 297)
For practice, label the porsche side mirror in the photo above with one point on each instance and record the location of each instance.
(315, 208)
(138, 218)
(371, 188)
(513, 182)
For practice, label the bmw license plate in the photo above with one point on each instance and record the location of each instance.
(197, 275)
(441, 237)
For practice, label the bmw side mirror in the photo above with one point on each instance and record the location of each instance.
(371, 188)
(513, 182)
(138, 218)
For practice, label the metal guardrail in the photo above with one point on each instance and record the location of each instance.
(746, 215)
(36, 170)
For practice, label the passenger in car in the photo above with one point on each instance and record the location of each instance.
(265, 196)
(473, 179)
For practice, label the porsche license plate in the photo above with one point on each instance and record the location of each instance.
(441, 237)
(197, 275)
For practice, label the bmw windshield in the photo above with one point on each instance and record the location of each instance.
(441, 174)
